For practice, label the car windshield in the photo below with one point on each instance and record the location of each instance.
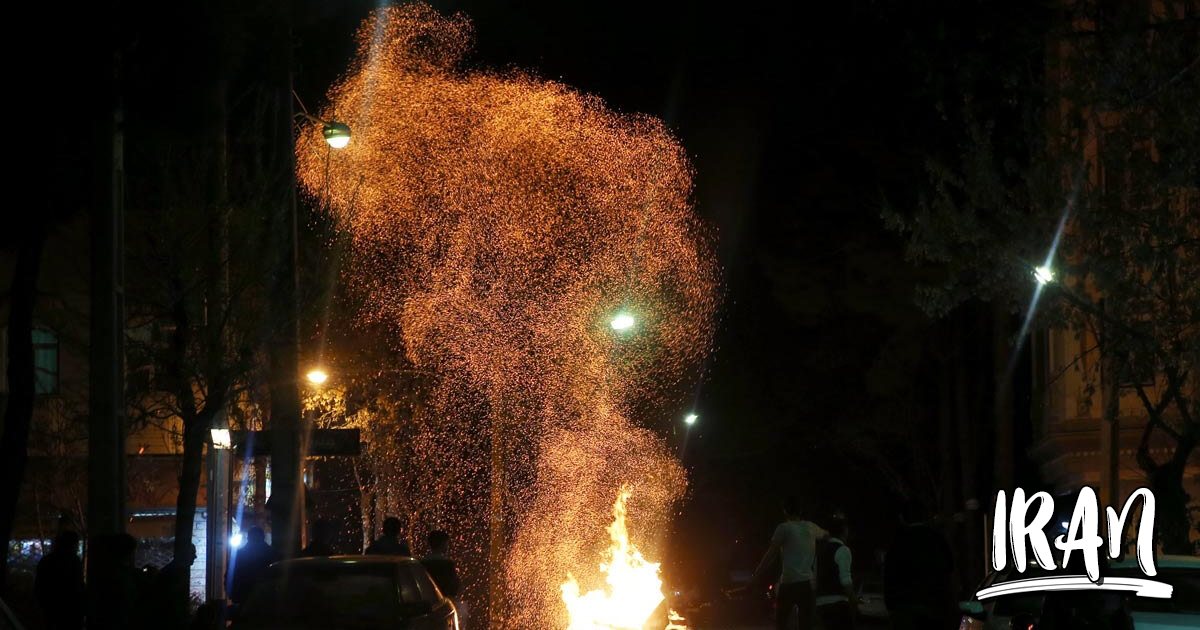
(1023, 604)
(1184, 599)
(349, 593)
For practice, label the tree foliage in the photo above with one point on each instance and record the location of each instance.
(1098, 176)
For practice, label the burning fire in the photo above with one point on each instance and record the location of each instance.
(633, 590)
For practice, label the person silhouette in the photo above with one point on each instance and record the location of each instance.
(117, 600)
(249, 564)
(444, 571)
(172, 587)
(919, 575)
(794, 543)
(58, 584)
(389, 544)
(439, 565)
(322, 540)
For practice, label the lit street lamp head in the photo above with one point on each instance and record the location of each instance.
(622, 322)
(690, 419)
(317, 376)
(1043, 274)
(221, 438)
(336, 134)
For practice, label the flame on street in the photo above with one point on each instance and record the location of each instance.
(633, 588)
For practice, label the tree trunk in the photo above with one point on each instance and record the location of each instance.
(971, 569)
(1002, 405)
(947, 451)
(1110, 429)
(194, 432)
(365, 502)
(18, 412)
(1172, 500)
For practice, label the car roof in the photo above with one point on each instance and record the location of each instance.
(1162, 562)
(347, 560)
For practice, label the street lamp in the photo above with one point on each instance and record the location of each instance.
(1043, 274)
(317, 376)
(622, 321)
(221, 439)
(336, 134)
(690, 419)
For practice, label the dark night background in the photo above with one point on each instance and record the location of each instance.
(802, 120)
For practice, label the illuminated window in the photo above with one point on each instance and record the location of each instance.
(45, 361)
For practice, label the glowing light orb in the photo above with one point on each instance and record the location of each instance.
(221, 438)
(622, 322)
(1043, 274)
(317, 376)
(690, 419)
(336, 134)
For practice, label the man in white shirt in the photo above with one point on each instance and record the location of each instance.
(836, 601)
(794, 542)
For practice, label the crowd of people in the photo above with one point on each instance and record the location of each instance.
(144, 598)
(816, 583)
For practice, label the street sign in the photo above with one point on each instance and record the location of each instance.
(334, 442)
(324, 442)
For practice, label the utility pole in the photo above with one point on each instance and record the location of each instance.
(106, 394)
(284, 362)
(218, 519)
(219, 209)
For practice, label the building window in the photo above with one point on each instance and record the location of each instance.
(45, 361)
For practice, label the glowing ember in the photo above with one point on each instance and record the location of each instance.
(633, 589)
(539, 254)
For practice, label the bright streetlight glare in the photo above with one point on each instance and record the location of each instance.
(337, 134)
(317, 376)
(622, 321)
(690, 419)
(1044, 274)
(237, 540)
(221, 438)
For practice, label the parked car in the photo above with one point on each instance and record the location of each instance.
(1182, 610)
(346, 593)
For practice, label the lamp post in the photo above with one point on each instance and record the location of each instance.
(218, 509)
(286, 502)
(316, 377)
